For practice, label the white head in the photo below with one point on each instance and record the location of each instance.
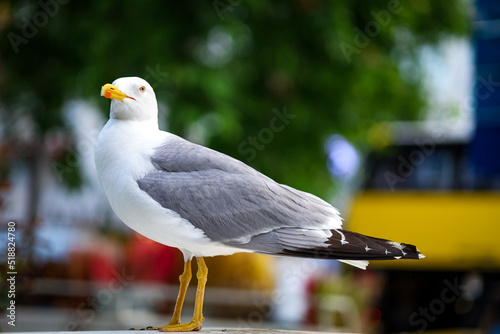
(132, 98)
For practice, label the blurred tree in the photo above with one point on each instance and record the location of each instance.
(265, 82)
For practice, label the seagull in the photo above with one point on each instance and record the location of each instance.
(206, 203)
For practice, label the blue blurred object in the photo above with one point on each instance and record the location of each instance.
(343, 159)
(485, 146)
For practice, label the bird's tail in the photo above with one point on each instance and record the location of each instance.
(347, 246)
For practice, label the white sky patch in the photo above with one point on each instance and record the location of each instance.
(449, 80)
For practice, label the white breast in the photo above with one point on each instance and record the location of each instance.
(123, 155)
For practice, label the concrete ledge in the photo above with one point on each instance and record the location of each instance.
(204, 330)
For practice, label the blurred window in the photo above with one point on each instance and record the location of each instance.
(442, 167)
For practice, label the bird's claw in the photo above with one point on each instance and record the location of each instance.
(149, 328)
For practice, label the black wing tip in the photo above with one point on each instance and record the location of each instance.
(326, 253)
(355, 246)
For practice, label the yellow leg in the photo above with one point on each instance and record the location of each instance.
(196, 322)
(200, 291)
(184, 280)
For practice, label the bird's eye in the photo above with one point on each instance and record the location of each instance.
(142, 89)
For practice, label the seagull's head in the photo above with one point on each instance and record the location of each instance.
(132, 98)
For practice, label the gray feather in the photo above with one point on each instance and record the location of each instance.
(230, 201)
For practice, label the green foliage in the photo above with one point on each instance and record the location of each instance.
(234, 61)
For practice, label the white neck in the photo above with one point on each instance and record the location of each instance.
(126, 146)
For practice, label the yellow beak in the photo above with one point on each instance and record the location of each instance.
(110, 91)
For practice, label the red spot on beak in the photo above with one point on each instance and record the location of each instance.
(107, 95)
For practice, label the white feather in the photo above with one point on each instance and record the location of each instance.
(361, 264)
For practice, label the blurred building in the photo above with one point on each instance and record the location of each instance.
(437, 184)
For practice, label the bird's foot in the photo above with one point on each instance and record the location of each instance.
(187, 327)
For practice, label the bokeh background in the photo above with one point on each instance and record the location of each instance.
(388, 109)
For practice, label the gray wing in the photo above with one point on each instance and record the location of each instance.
(233, 203)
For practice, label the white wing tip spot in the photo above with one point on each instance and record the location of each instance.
(397, 257)
(421, 256)
(367, 248)
(396, 245)
(342, 237)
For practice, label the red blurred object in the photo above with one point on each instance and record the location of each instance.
(150, 261)
(101, 266)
